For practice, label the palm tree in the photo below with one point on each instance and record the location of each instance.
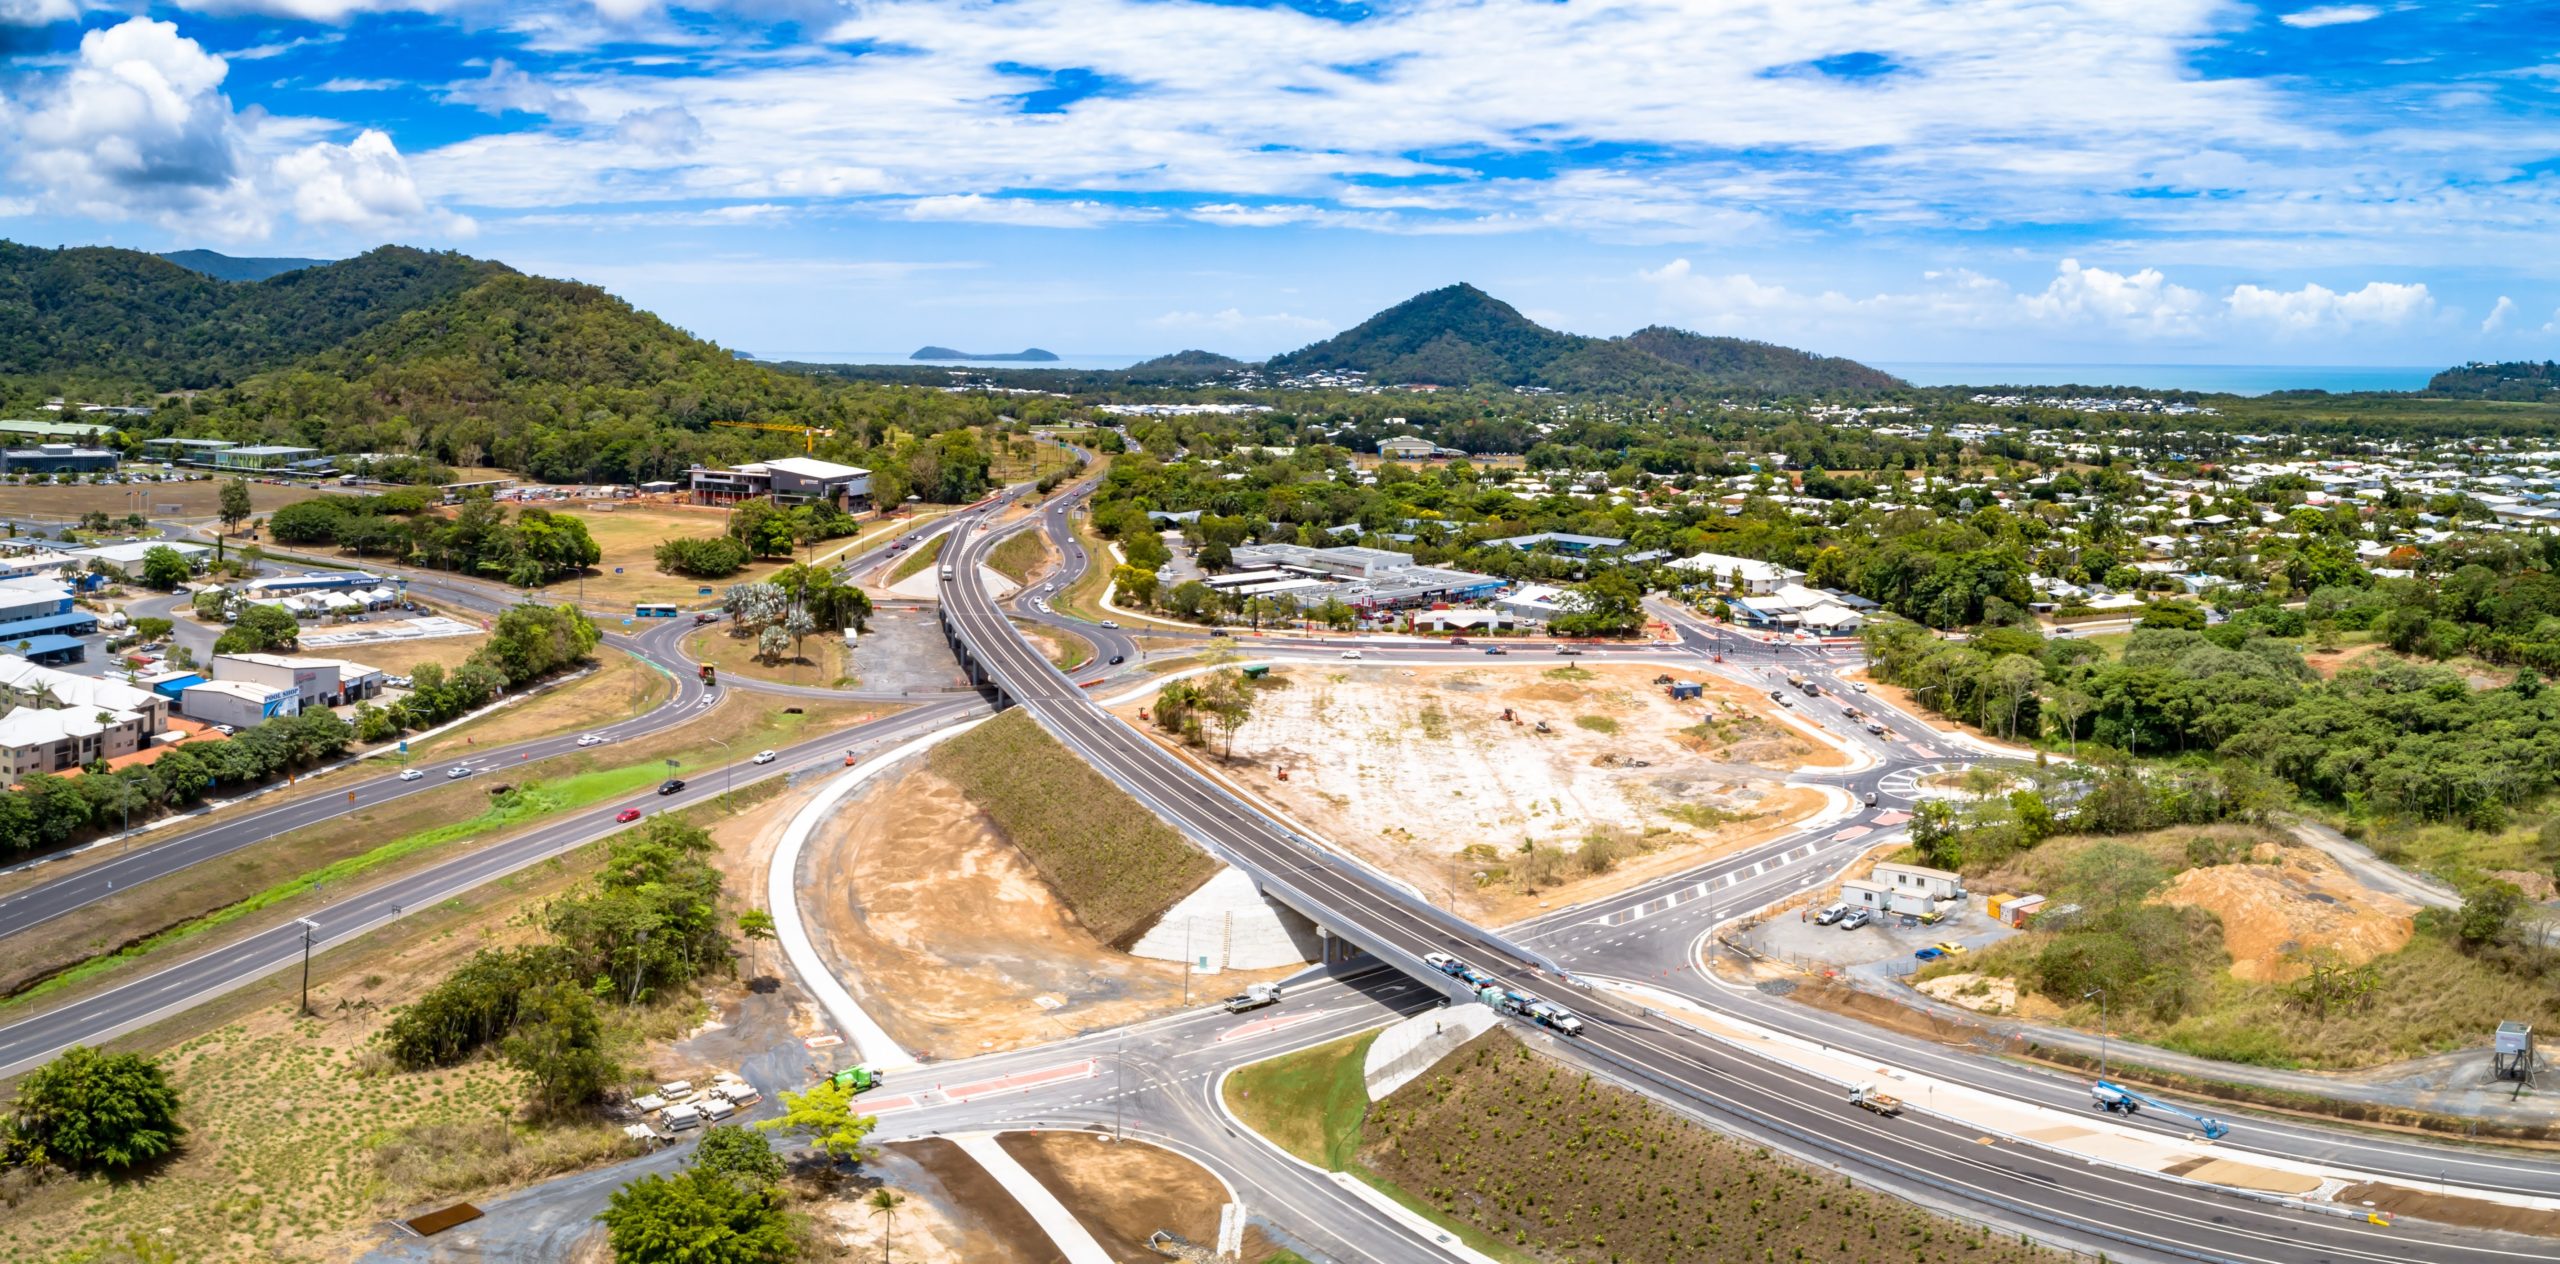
(884, 1203)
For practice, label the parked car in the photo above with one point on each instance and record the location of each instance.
(1832, 914)
(224, 729)
(626, 816)
(764, 757)
(410, 774)
(1856, 919)
(671, 785)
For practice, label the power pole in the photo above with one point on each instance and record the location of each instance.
(309, 928)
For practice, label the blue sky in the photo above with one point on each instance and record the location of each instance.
(2126, 181)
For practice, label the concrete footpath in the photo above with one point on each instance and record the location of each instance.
(1064, 1230)
(2092, 1137)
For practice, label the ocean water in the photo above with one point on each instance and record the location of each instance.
(2231, 379)
(1065, 360)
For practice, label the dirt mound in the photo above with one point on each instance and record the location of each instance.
(2275, 916)
(2537, 887)
(1981, 993)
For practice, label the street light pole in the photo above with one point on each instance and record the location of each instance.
(2101, 994)
(728, 767)
(309, 928)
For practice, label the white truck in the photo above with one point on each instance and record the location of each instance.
(1254, 996)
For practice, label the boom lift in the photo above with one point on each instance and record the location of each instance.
(808, 434)
(2118, 1100)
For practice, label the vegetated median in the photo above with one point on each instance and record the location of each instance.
(922, 557)
(1535, 1160)
(1116, 864)
(1019, 554)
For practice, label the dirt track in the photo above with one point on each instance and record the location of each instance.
(1122, 1191)
(2295, 903)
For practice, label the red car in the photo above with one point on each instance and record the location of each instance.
(628, 816)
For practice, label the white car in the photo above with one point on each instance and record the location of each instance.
(764, 757)
(1351, 653)
(410, 774)
(458, 770)
(590, 739)
(1859, 685)
(1109, 624)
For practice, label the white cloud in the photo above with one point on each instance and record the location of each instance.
(1018, 212)
(2498, 315)
(2331, 15)
(668, 129)
(2142, 305)
(1235, 320)
(508, 88)
(356, 85)
(138, 125)
(37, 12)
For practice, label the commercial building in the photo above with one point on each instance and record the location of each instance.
(270, 459)
(238, 703)
(56, 458)
(1406, 446)
(1564, 542)
(269, 587)
(1365, 578)
(31, 598)
(129, 557)
(23, 559)
(186, 451)
(1719, 570)
(20, 430)
(791, 480)
(315, 682)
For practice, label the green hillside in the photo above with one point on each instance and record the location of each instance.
(122, 314)
(2517, 381)
(1462, 336)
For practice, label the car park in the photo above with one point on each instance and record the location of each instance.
(765, 757)
(1856, 919)
(1831, 914)
(626, 816)
(671, 785)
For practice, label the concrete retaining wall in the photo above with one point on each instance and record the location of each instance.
(1228, 924)
(1406, 1050)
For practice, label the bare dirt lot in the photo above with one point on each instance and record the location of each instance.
(1122, 1190)
(955, 1213)
(201, 498)
(948, 936)
(2290, 904)
(1417, 771)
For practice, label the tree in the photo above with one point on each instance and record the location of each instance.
(258, 630)
(313, 521)
(755, 924)
(87, 1111)
(2488, 910)
(697, 1217)
(1934, 836)
(164, 569)
(825, 1115)
(741, 1154)
(235, 504)
(558, 1044)
(884, 1203)
(771, 642)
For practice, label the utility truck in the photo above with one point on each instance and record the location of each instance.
(2116, 1099)
(1865, 1097)
(1254, 996)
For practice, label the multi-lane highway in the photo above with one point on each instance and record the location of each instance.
(1924, 1155)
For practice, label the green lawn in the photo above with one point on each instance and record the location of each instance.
(1309, 1103)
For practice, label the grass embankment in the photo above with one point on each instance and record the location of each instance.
(1559, 1166)
(300, 1143)
(280, 875)
(823, 660)
(620, 687)
(1083, 598)
(922, 557)
(1019, 554)
(1117, 866)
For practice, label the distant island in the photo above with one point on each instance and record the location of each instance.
(1031, 354)
(222, 267)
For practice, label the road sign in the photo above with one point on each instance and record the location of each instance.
(671, 763)
(404, 746)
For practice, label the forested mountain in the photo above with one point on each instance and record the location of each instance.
(1745, 364)
(222, 267)
(1462, 336)
(1187, 361)
(123, 314)
(2524, 381)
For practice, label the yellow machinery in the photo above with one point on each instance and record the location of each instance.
(808, 434)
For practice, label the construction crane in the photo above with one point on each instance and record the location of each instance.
(2119, 1100)
(808, 434)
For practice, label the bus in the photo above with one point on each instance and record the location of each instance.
(654, 610)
